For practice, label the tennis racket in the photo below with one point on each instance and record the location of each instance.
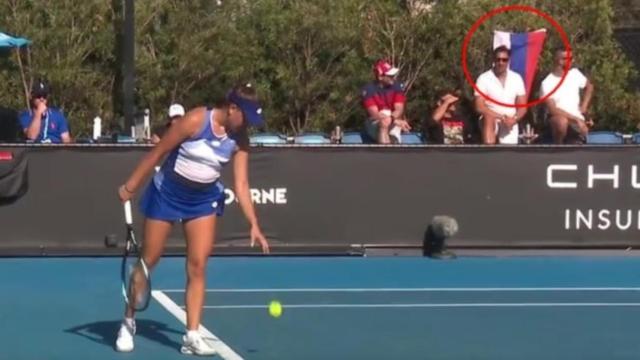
(136, 280)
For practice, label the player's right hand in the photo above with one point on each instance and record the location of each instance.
(450, 99)
(123, 194)
(386, 121)
(41, 107)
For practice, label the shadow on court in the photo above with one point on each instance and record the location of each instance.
(104, 332)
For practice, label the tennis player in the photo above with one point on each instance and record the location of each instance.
(187, 188)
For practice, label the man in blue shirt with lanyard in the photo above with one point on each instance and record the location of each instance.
(43, 124)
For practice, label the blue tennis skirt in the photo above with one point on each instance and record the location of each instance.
(172, 198)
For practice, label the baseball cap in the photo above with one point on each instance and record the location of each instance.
(176, 110)
(384, 67)
(251, 109)
(40, 88)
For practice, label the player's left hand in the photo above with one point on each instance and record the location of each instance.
(256, 235)
(588, 120)
(583, 128)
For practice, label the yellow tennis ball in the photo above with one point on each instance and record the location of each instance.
(275, 309)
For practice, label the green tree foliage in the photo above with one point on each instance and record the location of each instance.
(309, 58)
(73, 48)
(627, 13)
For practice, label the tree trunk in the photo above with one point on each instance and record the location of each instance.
(24, 79)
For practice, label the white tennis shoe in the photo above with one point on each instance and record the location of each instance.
(194, 344)
(124, 342)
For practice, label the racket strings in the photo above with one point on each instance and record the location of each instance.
(139, 289)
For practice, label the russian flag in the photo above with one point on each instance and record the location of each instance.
(525, 51)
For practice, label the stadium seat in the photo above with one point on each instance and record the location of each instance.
(605, 137)
(267, 138)
(636, 138)
(312, 138)
(412, 138)
(352, 137)
(125, 139)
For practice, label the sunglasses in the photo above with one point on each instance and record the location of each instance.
(502, 60)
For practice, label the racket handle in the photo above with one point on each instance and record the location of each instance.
(127, 212)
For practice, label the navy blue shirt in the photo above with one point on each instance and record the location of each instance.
(54, 124)
(383, 97)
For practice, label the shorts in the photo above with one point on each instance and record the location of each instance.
(510, 137)
(372, 129)
(507, 136)
(173, 198)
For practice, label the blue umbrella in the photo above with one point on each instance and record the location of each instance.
(10, 41)
(16, 43)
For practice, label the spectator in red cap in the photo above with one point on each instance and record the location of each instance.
(384, 99)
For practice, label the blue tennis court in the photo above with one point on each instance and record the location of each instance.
(335, 308)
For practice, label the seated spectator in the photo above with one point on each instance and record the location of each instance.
(568, 114)
(176, 111)
(448, 124)
(505, 86)
(384, 100)
(41, 123)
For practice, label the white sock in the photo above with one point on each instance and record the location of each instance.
(130, 322)
(192, 333)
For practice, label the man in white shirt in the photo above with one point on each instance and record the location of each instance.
(176, 111)
(505, 86)
(566, 110)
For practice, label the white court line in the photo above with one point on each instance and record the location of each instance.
(223, 350)
(434, 289)
(434, 305)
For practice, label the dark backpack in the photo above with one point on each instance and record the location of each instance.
(10, 130)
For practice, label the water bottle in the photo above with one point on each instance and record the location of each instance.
(146, 127)
(97, 128)
(337, 135)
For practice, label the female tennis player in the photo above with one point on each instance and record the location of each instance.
(187, 188)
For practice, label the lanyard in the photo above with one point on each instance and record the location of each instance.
(45, 132)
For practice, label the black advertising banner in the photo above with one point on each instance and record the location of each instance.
(341, 196)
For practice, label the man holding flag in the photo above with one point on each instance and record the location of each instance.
(522, 52)
(506, 86)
